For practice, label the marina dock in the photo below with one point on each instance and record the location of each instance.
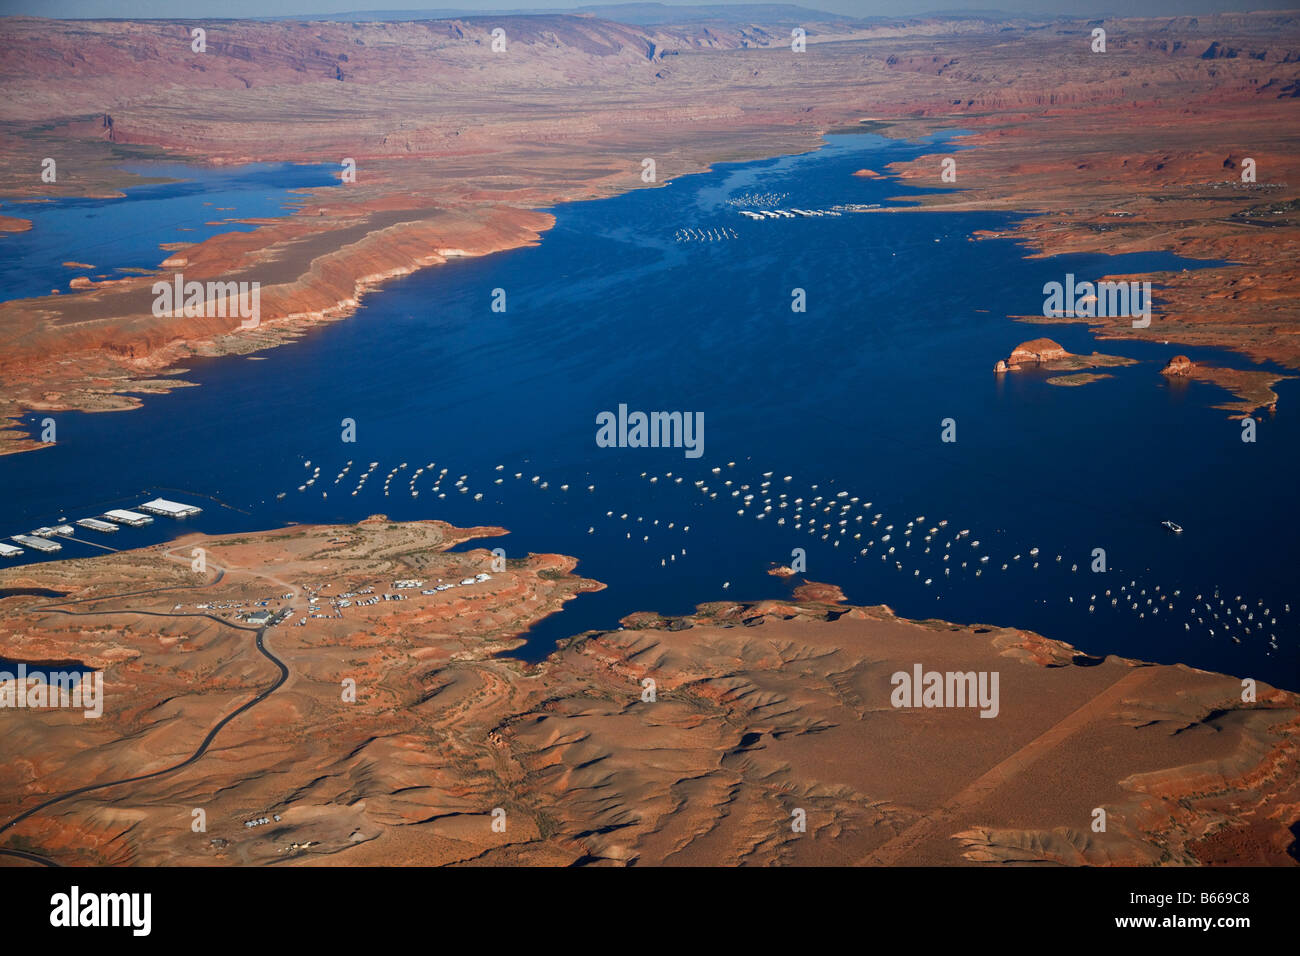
(37, 544)
(169, 509)
(94, 524)
(132, 518)
(63, 530)
(44, 538)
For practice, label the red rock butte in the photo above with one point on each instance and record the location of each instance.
(1036, 352)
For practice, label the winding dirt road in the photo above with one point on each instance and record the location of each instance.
(262, 649)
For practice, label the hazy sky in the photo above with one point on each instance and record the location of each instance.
(255, 8)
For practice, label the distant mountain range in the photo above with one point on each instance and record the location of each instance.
(631, 13)
(643, 14)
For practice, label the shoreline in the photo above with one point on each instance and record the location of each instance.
(457, 184)
(772, 697)
(508, 228)
(798, 589)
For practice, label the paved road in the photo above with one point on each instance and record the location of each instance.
(203, 747)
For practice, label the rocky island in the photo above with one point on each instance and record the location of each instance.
(1049, 356)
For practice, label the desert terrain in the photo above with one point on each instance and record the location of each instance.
(459, 150)
(745, 733)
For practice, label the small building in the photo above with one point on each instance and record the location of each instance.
(132, 518)
(259, 618)
(37, 544)
(169, 509)
(94, 524)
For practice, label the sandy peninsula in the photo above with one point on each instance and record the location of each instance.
(397, 731)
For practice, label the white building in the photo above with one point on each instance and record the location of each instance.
(169, 509)
(133, 518)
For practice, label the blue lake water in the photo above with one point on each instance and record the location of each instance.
(112, 235)
(906, 316)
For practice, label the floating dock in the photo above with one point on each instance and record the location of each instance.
(169, 509)
(94, 524)
(37, 544)
(132, 518)
(9, 551)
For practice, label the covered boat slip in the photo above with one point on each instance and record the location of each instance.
(109, 522)
(132, 518)
(94, 524)
(169, 509)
